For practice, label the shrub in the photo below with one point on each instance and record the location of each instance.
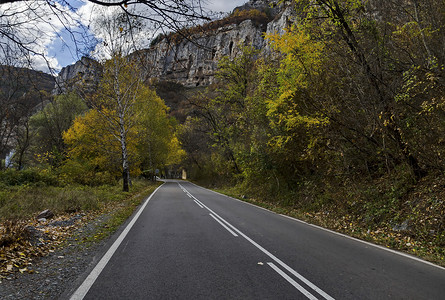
(33, 176)
(84, 173)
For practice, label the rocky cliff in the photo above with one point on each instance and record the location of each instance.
(192, 61)
(86, 71)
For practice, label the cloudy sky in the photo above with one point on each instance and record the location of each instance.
(62, 51)
(224, 5)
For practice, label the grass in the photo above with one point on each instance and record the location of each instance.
(118, 214)
(24, 194)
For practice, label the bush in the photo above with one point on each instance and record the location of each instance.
(33, 176)
(22, 202)
(84, 173)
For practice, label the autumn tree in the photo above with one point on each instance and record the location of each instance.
(157, 142)
(94, 153)
(127, 129)
(354, 89)
(357, 82)
(47, 126)
(115, 102)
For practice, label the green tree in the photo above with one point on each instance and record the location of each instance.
(47, 126)
(120, 89)
(355, 84)
(158, 145)
(127, 130)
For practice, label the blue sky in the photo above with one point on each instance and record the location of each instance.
(63, 50)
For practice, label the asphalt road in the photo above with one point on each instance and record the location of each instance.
(190, 243)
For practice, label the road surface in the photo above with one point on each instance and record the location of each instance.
(187, 242)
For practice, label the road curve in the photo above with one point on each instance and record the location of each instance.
(187, 242)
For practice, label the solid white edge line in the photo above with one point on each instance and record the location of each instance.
(221, 194)
(223, 225)
(293, 282)
(333, 232)
(83, 289)
(276, 259)
(367, 243)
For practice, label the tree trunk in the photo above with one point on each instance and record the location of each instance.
(125, 169)
(126, 177)
(125, 162)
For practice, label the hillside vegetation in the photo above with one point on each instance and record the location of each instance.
(343, 124)
(83, 156)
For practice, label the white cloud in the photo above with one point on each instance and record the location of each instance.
(40, 26)
(30, 26)
(224, 6)
(112, 29)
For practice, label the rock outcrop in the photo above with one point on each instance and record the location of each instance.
(86, 71)
(192, 61)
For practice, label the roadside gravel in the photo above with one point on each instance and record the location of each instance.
(56, 273)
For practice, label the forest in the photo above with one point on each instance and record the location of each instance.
(340, 124)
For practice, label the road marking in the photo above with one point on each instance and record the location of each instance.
(367, 243)
(273, 257)
(232, 198)
(281, 263)
(223, 225)
(331, 231)
(291, 281)
(198, 203)
(83, 289)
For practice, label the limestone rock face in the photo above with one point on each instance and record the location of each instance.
(193, 61)
(86, 71)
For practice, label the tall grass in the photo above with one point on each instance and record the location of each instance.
(23, 194)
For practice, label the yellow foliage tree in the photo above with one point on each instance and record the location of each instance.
(297, 78)
(127, 127)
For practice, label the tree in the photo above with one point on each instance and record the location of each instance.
(26, 26)
(93, 149)
(47, 126)
(21, 91)
(115, 101)
(127, 130)
(229, 121)
(158, 145)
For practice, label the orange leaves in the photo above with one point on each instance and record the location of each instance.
(21, 242)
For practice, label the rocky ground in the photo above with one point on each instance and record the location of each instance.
(54, 275)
